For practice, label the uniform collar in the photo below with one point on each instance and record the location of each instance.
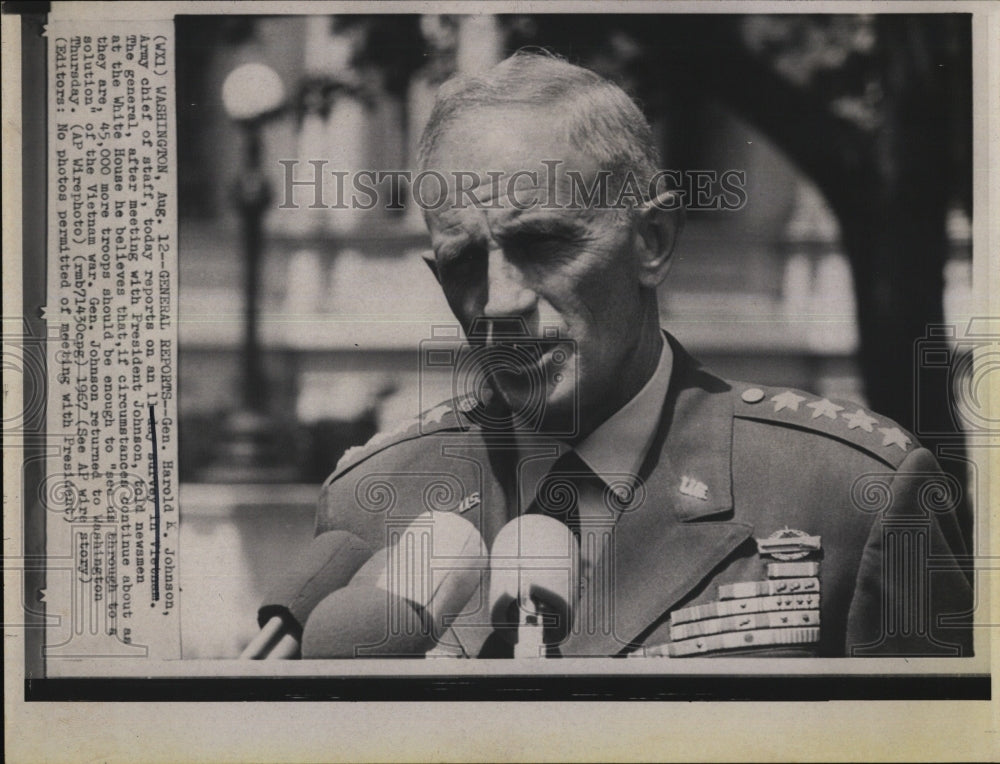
(676, 434)
(619, 444)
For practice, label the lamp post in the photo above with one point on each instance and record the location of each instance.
(252, 94)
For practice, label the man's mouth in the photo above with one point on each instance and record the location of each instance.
(514, 357)
(519, 353)
(522, 365)
(526, 354)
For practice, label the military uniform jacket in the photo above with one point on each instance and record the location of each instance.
(874, 546)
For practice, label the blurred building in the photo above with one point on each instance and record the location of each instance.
(763, 293)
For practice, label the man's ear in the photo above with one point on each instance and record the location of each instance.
(660, 222)
(428, 257)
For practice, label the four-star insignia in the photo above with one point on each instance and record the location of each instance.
(787, 400)
(825, 408)
(894, 437)
(860, 419)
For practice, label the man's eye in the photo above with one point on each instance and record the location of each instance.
(469, 253)
(462, 259)
(539, 247)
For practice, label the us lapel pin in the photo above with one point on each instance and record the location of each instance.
(470, 501)
(694, 488)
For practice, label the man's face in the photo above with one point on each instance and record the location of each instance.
(570, 271)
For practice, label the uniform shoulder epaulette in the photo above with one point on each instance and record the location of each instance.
(448, 415)
(843, 420)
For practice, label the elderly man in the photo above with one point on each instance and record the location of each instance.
(732, 518)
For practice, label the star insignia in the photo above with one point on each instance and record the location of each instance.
(467, 403)
(787, 400)
(824, 408)
(860, 419)
(894, 437)
(399, 430)
(436, 414)
(347, 456)
(378, 439)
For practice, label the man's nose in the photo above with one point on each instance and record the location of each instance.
(508, 295)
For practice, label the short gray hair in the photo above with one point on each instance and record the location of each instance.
(600, 118)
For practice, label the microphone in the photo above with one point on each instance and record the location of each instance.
(328, 564)
(534, 583)
(364, 621)
(405, 598)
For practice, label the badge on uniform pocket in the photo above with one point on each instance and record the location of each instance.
(783, 609)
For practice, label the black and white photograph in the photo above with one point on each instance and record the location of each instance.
(430, 355)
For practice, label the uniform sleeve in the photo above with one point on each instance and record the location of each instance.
(912, 598)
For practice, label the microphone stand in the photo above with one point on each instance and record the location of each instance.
(530, 630)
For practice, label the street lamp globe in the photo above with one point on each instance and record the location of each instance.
(251, 91)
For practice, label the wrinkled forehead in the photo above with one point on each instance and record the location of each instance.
(501, 132)
(504, 160)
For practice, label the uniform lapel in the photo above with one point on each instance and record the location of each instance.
(669, 543)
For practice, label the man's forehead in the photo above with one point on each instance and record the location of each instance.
(492, 141)
(504, 167)
(462, 220)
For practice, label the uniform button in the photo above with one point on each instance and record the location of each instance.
(753, 395)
